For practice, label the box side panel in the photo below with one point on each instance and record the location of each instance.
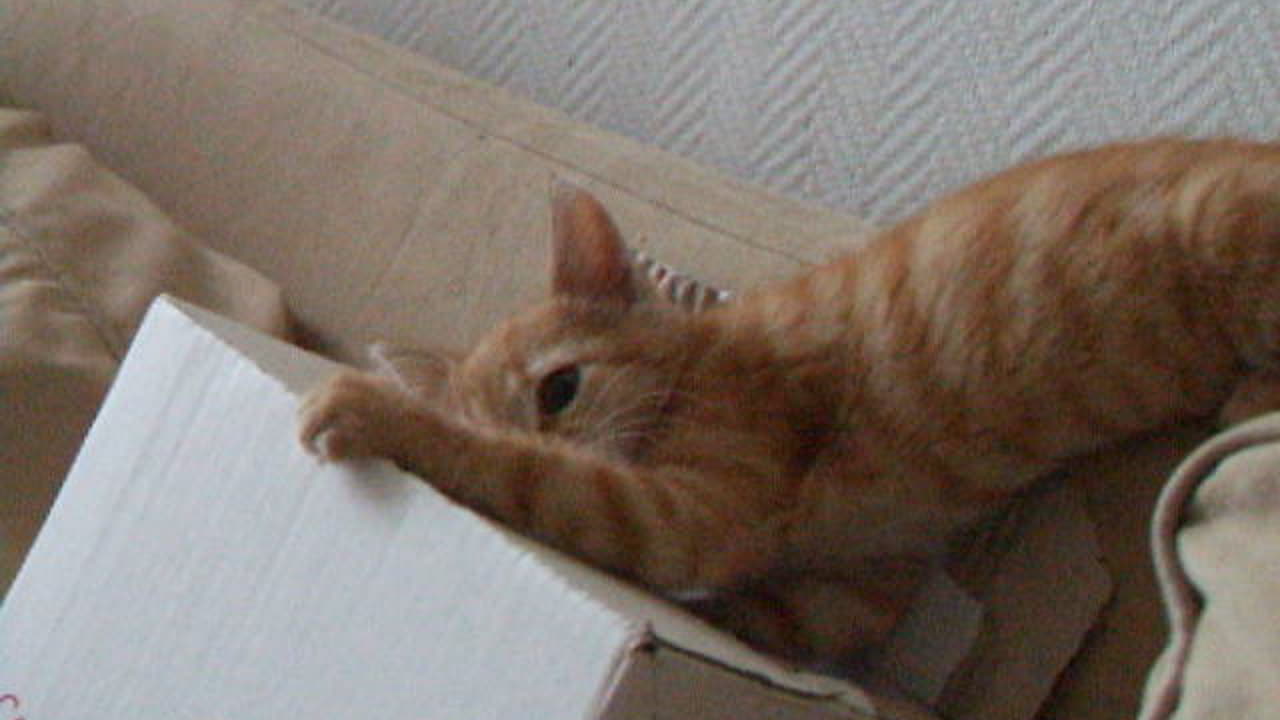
(686, 686)
(633, 695)
(198, 564)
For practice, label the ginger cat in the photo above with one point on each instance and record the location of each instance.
(802, 452)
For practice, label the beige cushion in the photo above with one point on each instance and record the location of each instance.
(391, 198)
(81, 256)
(1217, 549)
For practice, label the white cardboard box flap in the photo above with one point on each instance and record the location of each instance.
(199, 564)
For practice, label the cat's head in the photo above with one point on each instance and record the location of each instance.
(596, 364)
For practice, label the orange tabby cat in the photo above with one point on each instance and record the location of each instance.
(801, 452)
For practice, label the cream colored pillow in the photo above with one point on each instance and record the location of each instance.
(82, 254)
(1216, 536)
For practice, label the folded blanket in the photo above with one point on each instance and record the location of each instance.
(1216, 536)
(82, 254)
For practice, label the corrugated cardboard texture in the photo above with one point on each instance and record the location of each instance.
(200, 564)
(668, 683)
(1043, 590)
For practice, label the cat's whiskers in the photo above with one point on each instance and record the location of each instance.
(637, 418)
(595, 399)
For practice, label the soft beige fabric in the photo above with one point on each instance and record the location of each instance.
(1216, 536)
(391, 198)
(81, 256)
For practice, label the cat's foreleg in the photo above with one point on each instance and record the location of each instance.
(655, 525)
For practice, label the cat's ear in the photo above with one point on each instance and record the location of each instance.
(422, 373)
(588, 257)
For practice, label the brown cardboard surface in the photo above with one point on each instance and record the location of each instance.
(1043, 588)
(669, 683)
(1105, 681)
(693, 688)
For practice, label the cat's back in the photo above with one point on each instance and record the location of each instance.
(1053, 309)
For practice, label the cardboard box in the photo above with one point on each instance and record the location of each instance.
(199, 564)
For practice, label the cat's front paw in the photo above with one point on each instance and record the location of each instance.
(352, 415)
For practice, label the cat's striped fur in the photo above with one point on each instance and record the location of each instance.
(802, 451)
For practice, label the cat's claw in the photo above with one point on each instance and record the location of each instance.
(346, 417)
(322, 446)
(335, 443)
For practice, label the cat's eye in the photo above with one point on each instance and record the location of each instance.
(558, 389)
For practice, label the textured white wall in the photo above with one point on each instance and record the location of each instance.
(868, 106)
